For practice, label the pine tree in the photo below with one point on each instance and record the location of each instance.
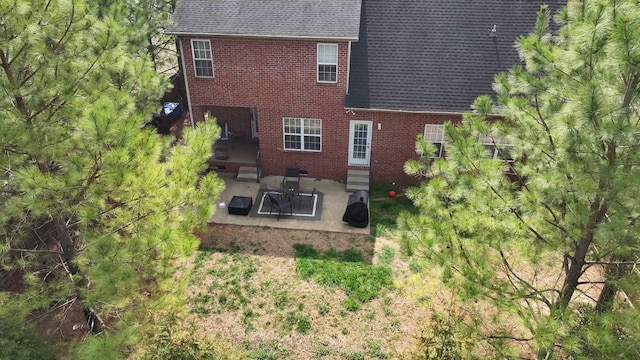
(94, 208)
(146, 20)
(536, 245)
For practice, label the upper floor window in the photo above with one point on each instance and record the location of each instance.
(498, 148)
(327, 62)
(202, 59)
(435, 135)
(302, 134)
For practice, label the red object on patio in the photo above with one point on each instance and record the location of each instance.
(392, 194)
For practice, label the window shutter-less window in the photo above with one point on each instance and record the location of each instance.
(302, 134)
(435, 135)
(202, 58)
(327, 63)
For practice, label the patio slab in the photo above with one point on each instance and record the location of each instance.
(333, 205)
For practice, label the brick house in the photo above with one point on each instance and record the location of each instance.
(330, 86)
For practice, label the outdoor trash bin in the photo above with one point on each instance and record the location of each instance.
(357, 212)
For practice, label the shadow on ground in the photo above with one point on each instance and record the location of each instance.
(276, 242)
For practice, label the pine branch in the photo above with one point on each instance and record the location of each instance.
(34, 251)
(67, 28)
(615, 263)
(6, 66)
(590, 282)
(508, 337)
(542, 122)
(512, 274)
(88, 181)
(513, 211)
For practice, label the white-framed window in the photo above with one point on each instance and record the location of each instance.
(435, 135)
(497, 147)
(202, 58)
(302, 134)
(328, 63)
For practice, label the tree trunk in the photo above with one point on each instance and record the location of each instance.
(613, 273)
(152, 53)
(596, 215)
(63, 234)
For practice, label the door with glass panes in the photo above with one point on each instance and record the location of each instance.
(360, 142)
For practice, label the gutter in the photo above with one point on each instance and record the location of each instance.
(413, 111)
(405, 111)
(186, 84)
(256, 36)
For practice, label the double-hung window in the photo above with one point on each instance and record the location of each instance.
(435, 135)
(328, 63)
(498, 148)
(202, 58)
(302, 134)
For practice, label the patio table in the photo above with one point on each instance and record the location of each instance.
(290, 190)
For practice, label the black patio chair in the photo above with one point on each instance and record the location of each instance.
(291, 183)
(291, 175)
(280, 206)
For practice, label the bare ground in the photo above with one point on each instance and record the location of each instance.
(264, 315)
(386, 327)
(246, 291)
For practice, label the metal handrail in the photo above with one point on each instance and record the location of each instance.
(258, 167)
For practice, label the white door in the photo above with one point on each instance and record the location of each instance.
(360, 142)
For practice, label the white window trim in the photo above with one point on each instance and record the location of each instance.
(301, 134)
(434, 137)
(496, 142)
(193, 55)
(318, 63)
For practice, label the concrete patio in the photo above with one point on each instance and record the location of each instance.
(333, 205)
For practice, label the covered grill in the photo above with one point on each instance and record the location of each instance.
(357, 212)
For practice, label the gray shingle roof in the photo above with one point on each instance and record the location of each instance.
(433, 55)
(319, 19)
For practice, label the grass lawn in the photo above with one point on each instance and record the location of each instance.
(384, 210)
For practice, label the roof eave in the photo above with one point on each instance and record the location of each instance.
(439, 112)
(404, 111)
(256, 36)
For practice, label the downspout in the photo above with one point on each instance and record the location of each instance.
(348, 68)
(186, 84)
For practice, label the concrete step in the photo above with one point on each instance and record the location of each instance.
(355, 187)
(357, 180)
(247, 173)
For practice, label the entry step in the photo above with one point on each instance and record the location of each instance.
(248, 173)
(357, 180)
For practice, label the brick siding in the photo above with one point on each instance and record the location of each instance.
(278, 79)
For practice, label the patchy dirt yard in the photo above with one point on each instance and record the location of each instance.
(245, 289)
